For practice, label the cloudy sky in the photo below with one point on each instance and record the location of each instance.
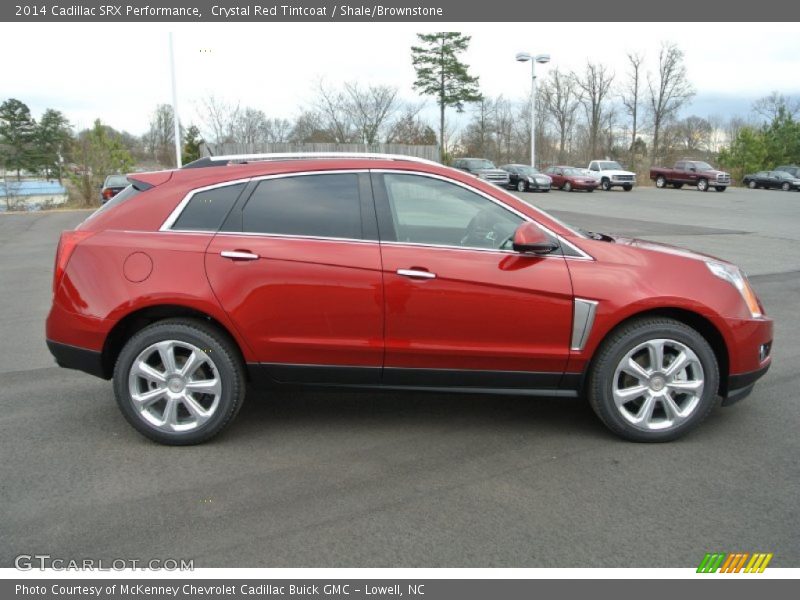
(119, 72)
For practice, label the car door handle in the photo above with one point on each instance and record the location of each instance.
(238, 255)
(416, 274)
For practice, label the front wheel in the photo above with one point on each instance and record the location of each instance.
(522, 186)
(606, 185)
(567, 187)
(179, 381)
(653, 380)
(661, 181)
(786, 186)
(720, 188)
(702, 185)
(627, 187)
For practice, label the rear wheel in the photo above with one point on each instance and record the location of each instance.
(653, 380)
(661, 181)
(179, 381)
(702, 185)
(752, 184)
(567, 187)
(590, 189)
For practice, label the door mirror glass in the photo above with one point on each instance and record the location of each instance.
(529, 238)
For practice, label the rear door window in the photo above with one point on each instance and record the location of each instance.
(326, 205)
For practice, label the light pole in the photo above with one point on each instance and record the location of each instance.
(175, 117)
(541, 59)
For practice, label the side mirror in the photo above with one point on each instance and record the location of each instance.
(528, 238)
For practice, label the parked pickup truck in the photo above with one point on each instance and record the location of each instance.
(610, 174)
(691, 172)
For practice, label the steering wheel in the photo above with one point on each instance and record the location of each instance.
(480, 231)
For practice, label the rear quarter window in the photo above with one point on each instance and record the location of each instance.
(206, 210)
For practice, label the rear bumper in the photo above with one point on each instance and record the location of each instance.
(81, 359)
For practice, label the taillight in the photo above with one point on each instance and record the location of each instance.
(66, 245)
(108, 193)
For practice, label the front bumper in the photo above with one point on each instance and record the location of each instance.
(740, 386)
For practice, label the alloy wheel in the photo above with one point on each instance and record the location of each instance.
(658, 384)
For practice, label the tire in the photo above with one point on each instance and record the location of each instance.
(786, 186)
(567, 187)
(179, 416)
(627, 187)
(702, 185)
(605, 184)
(589, 189)
(677, 186)
(720, 188)
(522, 186)
(647, 416)
(752, 184)
(661, 181)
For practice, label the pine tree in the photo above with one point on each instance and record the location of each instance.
(442, 75)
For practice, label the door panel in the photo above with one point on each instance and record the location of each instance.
(302, 301)
(492, 311)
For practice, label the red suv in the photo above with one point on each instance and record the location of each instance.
(376, 271)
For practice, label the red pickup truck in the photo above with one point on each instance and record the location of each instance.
(691, 172)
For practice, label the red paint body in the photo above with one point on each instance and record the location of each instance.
(341, 303)
(562, 175)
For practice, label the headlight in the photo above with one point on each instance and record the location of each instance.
(734, 276)
(531, 180)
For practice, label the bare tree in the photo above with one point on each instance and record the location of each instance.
(159, 140)
(631, 97)
(409, 128)
(334, 110)
(249, 126)
(309, 127)
(595, 86)
(561, 101)
(772, 106)
(372, 109)
(669, 90)
(694, 134)
(277, 130)
(478, 135)
(219, 119)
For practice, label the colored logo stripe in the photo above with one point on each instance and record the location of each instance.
(734, 562)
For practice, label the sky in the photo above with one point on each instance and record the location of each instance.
(120, 72)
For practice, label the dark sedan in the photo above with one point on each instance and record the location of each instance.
(525, 178)
(571, 178)
(112, 186)
(772, 180)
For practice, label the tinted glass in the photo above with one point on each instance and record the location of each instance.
(311, 205)
(431, 211)
(126, 194)
(116, 181)
(206, 210)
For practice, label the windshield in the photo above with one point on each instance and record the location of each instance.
(116, 181)
(479, 163)
(572, 171)
(528, 170)
(606, 165)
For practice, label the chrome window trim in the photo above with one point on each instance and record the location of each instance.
(166, 227)
(582, 255)
(176, 212)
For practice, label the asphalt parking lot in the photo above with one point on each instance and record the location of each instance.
(328, 479)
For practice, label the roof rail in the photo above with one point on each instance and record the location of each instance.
(217, 161)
